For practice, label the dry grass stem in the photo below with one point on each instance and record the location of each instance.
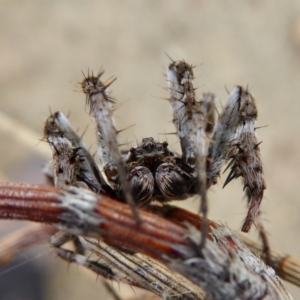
(178, 247)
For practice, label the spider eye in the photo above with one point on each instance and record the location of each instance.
(149, 146)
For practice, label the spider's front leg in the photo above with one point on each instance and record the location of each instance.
(72, 162)
(100, 104)
(190, 121)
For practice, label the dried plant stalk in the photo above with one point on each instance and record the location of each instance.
(224, 268)
(285, 265)
(141, 271)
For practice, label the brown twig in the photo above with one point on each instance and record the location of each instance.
(224, 268)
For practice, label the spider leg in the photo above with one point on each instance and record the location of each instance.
(207, 103)
(235, 139)
(78, 257)
(264, 238)
(66, 161)
(259, 224)
(61, 238)
(249, 165)
(69, 150)
(130, 268)
(190, 122)
(100, 104)
(223, 136)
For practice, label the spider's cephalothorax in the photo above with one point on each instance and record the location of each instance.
(150, 170)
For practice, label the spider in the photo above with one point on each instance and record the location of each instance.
(148, 172)
(151, 171)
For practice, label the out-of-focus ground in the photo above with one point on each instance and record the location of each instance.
(45, 45)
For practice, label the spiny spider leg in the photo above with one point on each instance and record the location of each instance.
(235, 140)
(190, 122)
(207, 103)
(100, 104)
(66, 160)
(259, 224)
(72, 162)
(264, 238)
(78, 256)
(224, 134)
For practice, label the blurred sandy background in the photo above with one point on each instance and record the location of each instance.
(45, 45)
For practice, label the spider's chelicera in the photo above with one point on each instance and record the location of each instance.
(156, 173)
